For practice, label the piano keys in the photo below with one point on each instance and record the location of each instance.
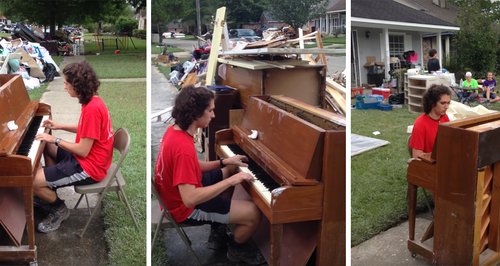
(464, 176)
(301, 149)
(20, 158)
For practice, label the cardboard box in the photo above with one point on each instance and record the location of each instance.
(370, 61)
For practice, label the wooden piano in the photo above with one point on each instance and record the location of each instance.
(298, 159)
(20, 154)
(464, 176)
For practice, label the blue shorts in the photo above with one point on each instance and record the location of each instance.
(492, 95)
(214, 210)
(66, 172)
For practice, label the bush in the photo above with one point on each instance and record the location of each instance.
(141, 34)
(125, 25)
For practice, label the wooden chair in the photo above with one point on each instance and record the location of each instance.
(161, 218)
(114, 180)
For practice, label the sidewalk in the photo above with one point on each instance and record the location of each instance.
(389, 247)
(64, 246)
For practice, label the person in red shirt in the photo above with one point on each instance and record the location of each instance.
(84, 161)
(191, 189)
(435, 103)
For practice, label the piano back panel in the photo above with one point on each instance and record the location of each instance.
(306, 83)
(331, 246)
(494, 234)
(297, 142)
(14, 106)
(456, 194)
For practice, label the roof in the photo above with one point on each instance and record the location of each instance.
(449, 13)
(337, 6)
(390, 10)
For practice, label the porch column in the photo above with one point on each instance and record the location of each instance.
(327, 23)
(440, 49)
(446, 49)
(387, 59)
(320, 24)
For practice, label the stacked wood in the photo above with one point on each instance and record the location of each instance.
(275, 39)
(335, 96)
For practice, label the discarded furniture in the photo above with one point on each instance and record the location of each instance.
(463, 174)
(300, 185)
(417, 86)
(114, 180)
(20, 156)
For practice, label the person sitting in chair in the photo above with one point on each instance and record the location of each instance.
(191, 189)
(435, 103)
(469, 89)
(489, 85)
(82, 162)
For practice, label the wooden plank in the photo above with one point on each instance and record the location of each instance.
(338, 98)
(262, 64)
(220, 20)
(319, 42)
(279, 51)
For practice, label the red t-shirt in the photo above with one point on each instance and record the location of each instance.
(425, 131)
(95, 123)
(177, 164)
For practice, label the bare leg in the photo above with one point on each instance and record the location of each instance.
(50, 154)
(246, 216)
(41, 189)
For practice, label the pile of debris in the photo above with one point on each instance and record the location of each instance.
(335, 95)
(28, 59)
(273, 39)
(59, 43)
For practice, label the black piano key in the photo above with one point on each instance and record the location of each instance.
(29, 136)
(260, 174)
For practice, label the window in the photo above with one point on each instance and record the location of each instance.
(396, 45)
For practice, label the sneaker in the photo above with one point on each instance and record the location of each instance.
(218, 237)
(54, 219)
(245, 255)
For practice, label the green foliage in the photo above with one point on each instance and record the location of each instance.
(243, 11)
(296, 13)
(125, 25)
(475, 45)
(55, 12)
(140, 34)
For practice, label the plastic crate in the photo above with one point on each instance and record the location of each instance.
(361, 105)
(356, 91)
(384, 107)
(381, 91)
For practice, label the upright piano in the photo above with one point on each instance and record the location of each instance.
(464, 176)
(21, 120)
(297, 154)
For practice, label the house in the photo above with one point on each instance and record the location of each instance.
(384, 30)
(334, 21)
(267, 20)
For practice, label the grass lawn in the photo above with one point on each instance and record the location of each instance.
(378, 177)
(155, 49)
(127, 104)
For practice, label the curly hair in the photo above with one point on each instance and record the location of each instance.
(433, 95)
(432, 52)
(83, 79)
(190, 104)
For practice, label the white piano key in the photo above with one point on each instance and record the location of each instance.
(256, 183)
(36, 143)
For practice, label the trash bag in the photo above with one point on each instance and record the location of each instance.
(398, 98)
(49, 70)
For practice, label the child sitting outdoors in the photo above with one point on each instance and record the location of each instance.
(489, 85)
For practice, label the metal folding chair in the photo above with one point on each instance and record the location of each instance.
(161, 218)
(114, 180)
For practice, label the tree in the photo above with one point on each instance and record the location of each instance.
(243, 11)
(296, 13)
(56, 12)
(475, 45)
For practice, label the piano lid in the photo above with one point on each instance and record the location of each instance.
(282, 136)
(15, 105)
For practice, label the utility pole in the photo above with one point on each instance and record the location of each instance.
(198, 19)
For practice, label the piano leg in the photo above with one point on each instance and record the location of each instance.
(276, 235)
(30, 220)
(412, 206)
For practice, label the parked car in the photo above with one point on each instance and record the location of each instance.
(248, 35)
(173, 35)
